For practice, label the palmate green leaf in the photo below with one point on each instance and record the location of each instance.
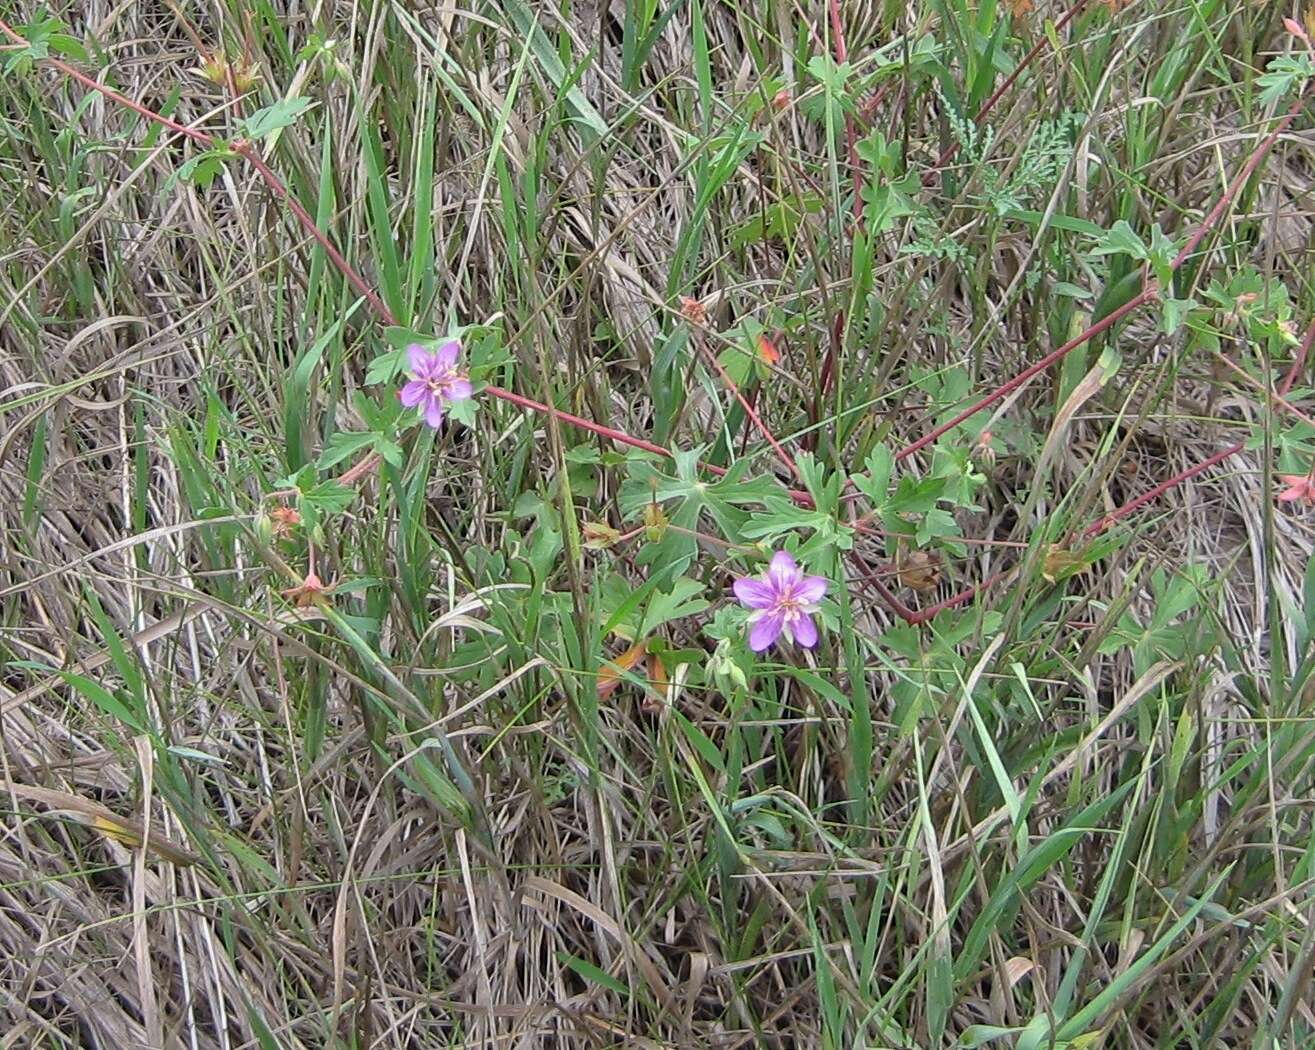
(687, 499)
(1121, 239)
(43, 36)
(784, 516)
(281, 114)
(779, 221)
(684, 599)
(343, 444)
(1284, 75)
(324, 498)
(202, 169)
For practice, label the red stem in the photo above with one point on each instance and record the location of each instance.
(619, 436)
(1151, 494)
(336, 257)
(1055, 355)
(851, 138)
(1149, 292)
(1133, 505)
(747, 405)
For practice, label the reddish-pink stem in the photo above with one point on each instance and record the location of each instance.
(248, 153)
(1133, 505)
(932, 611)
(357, 281)
(308, 224)
(1294, 370)
(745, 404)
(851, 137)
(376, 303)
(1159, 490)
(1148, 293)
(619, 436)
(1040, 366)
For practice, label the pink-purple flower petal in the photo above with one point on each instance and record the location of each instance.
(782, 571)
(754, 594)
(421, 362)
(805, 631)
(765, 631)
(782, 601)
(445, 357)
(413, 393)
(810, 589)
(435, 380)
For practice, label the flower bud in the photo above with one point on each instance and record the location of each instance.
(655, 523)
(983, 453)
(598, 536)
(264, 529)
(723, 667)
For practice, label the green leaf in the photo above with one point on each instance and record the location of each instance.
(389, 451)
(1121, 239)
(331, 496)
(875, 484)
(779, 221)
(385, 367)
(1126, 982)
(43, 36)
(273, 118)
(1175, 312)
(686, 498)
(463, 411)
(683, 599)
(107, 701)
(1284, 76)
(342, 445)
(590, 972)
(202, 169)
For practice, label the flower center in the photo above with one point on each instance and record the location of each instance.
(790, 607)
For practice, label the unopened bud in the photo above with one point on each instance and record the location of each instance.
(264, 529)
(598, 536)
(723, 667)
(655, 523)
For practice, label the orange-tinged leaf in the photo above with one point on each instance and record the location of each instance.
(610, 675)
(767, 350)
(657, 674)
(921, 570)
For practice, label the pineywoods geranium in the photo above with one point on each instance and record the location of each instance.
(435, 381)
(782, 601)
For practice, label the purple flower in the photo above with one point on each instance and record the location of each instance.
(434, 380)
(782, 601)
